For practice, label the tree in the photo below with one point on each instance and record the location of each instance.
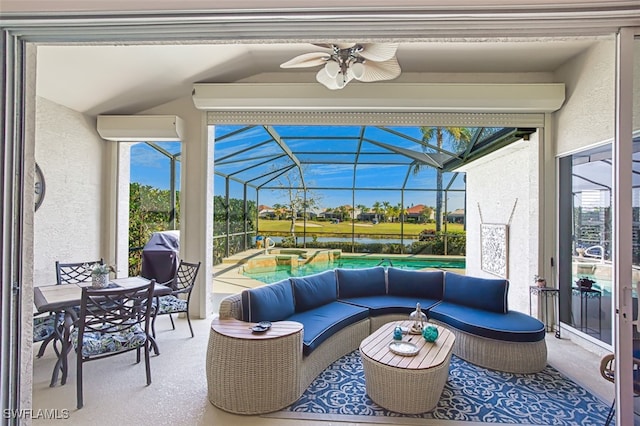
(377, 208)
(297, 198)
(460, 138)
(387, 212)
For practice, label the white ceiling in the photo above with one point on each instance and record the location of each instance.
(126, 79)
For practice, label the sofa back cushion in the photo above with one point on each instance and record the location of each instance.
(361, 282)
(418, 284)
(314, 290)
(273, 302)
(480, 293)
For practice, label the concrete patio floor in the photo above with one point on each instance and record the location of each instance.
(115, 391)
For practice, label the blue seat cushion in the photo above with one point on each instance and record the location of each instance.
(361, 282)
(315, 290)
(273, 302)
(412, 283)
(45, 326)
(97, 343)
(382, 305)
(322, 322)
(480, 293)
(170, 304)
(510, 327)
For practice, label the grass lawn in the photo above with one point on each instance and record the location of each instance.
(266, 226)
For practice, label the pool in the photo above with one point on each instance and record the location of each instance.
(281, 272)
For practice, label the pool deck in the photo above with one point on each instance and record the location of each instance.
(228, 278)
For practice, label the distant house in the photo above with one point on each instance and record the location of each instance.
(415, 213)
(456, 216)
(266, 212)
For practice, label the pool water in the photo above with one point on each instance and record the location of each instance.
(282, 272)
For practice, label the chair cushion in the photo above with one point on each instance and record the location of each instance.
(170, 304)
(361, 282)
(322, 322)
(382, 305)
(479, 293)
(273, 302)
(97, 343)
(43, 327)
(416, 284)
(314, 290)
(510, 327)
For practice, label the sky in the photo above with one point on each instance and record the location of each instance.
(238, 148)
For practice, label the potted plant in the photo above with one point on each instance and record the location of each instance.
(99, 274)
(540, 281)
(585, 283)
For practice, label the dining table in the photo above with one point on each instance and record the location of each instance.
(64, 299)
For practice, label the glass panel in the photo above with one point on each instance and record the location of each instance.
(154, 199)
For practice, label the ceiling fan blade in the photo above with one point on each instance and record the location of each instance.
(328, 82)
(376, 71)
(379, 51)
(307, 60)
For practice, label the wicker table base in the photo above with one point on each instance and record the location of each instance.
(406, 384)
(250, 373)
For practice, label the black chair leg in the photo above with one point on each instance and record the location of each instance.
(44, 344)
(147, 364)
(172, 323)
(79, 382)
(189, 321)
(611, 413)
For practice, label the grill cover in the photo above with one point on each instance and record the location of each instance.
(160, 256)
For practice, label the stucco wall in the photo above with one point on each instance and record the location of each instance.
(588, 115)
(495, 185)
(68, 223)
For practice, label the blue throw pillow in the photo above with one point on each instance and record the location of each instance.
(481, 293)
(273, 302)
(361, 282)
(418, 284)
(314, 290)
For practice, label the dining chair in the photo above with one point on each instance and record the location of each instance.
(178, 301)
(44, 325)
(112, 322)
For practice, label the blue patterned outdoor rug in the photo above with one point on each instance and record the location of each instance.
(472, 394)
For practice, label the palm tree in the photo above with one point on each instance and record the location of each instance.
(460, 137)
(377, 208)
(386, 206)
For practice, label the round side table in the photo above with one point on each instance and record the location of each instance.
(253, 373)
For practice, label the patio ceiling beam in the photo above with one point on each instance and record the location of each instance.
(406, 177)
(355, 161)
(360, 163)
(277, 139)
(235, 179)
(342, 188)
(162, 150)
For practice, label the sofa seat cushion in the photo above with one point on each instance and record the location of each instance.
(273, 302)
(417, 284)
(383, 305)
(489, 294)
(361, 282)
(315, 290)
(322, 322)
(511, 327)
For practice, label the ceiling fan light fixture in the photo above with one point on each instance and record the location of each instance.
(358, 70)
(332, 68)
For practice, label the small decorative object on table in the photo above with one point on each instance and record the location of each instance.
(99, 274)
(404, 348)
(397, 333)
(419, 318)
(540, 282)
(585, 283)
(430, 333)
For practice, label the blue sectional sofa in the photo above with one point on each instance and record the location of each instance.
(339, 308)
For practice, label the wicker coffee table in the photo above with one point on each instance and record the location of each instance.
(406, 384)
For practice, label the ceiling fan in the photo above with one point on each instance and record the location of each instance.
(345, 61)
